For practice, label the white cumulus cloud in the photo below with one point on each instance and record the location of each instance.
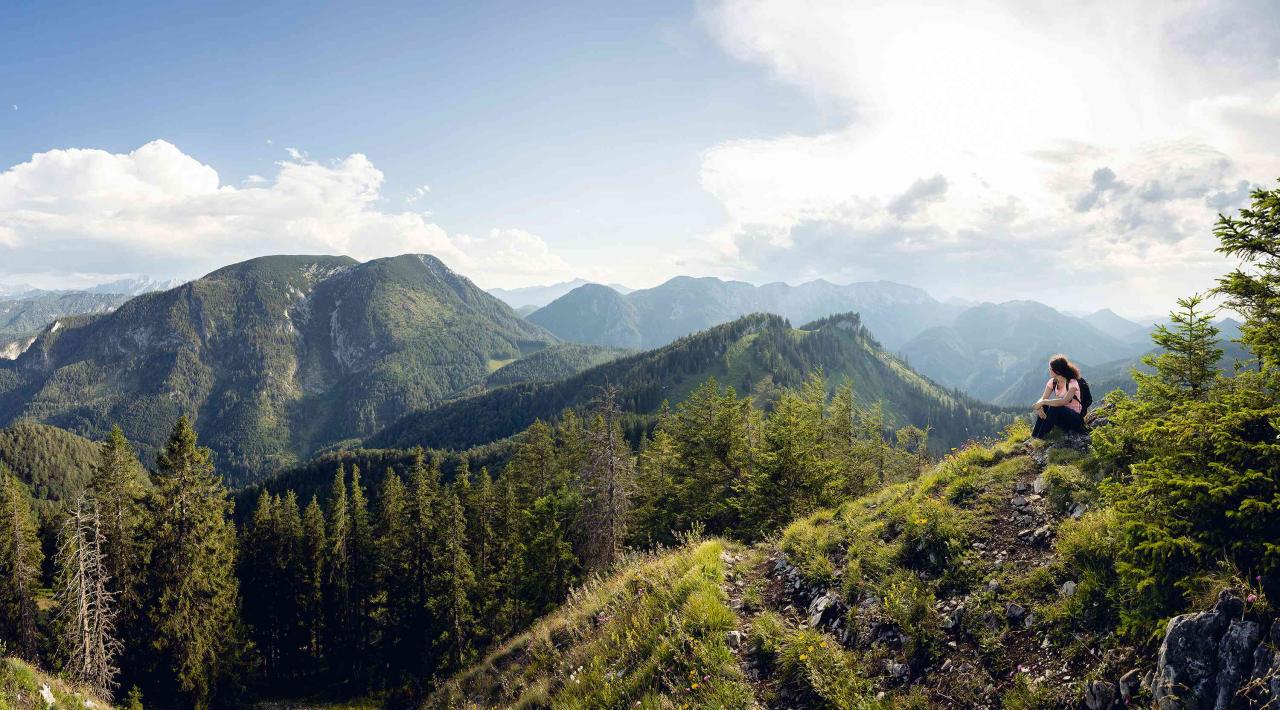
(159, 210)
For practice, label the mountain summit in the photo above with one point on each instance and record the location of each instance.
(275, 357)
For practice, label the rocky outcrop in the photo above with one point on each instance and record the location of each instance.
(1214, 660)
(1263, 689)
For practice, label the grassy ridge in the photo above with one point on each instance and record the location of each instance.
(23, 687)
(650, 636)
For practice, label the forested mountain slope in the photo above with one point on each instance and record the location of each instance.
(55, 464)
(31, 312)
(556, 362)
(755, 355)
(656, 316)
(275, 357)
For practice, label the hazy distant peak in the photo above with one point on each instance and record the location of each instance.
(135, 286)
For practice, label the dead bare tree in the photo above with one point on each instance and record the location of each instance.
(87, 608)
(607, 481)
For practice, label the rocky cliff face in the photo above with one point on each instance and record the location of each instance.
(1218, 659)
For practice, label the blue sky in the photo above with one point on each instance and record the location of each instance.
(580, 121)
(753, 139)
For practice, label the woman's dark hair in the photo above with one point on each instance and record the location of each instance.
(1063, 367)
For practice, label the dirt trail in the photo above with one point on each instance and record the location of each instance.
(746, 574)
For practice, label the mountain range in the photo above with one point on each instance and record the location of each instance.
(25, 310)
(988, 350)
(653, 317)
(275, 357)
(278, 358)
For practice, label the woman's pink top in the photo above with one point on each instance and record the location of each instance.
(1073, 391)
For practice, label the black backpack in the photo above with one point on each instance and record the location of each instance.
(1086, 397)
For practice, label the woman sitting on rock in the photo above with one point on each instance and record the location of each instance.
(1063, 408)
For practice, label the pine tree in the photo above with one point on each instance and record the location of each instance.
(20, 560)
(709, 432)
(453, 581)
(337, 588)
(426, 517)
(1189, 361)
(395, 575)
(794, 465)
(570, 447)
(86, 607)
(653, 517)
(363, 571)
(534, 462)
(512, 610)
(1253, 237)
(911, 454)
(480, 510)
(194, 616)
(1194, 454)
(846, 445)
(607, 477)
(257, 581)
(315, 546)
(871, 445)
(289, 590)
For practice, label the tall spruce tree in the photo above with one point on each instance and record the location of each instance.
(540, 474)
(289, 590)
(452, 583)
(315, 548)
(653, 515)
(337, 589)
(257, 548)
(1253, 290)
(426, 517)
(395, 574)
(481, 515)
(194, 614)
(509, 552)
(20, 561)
(363, 573)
